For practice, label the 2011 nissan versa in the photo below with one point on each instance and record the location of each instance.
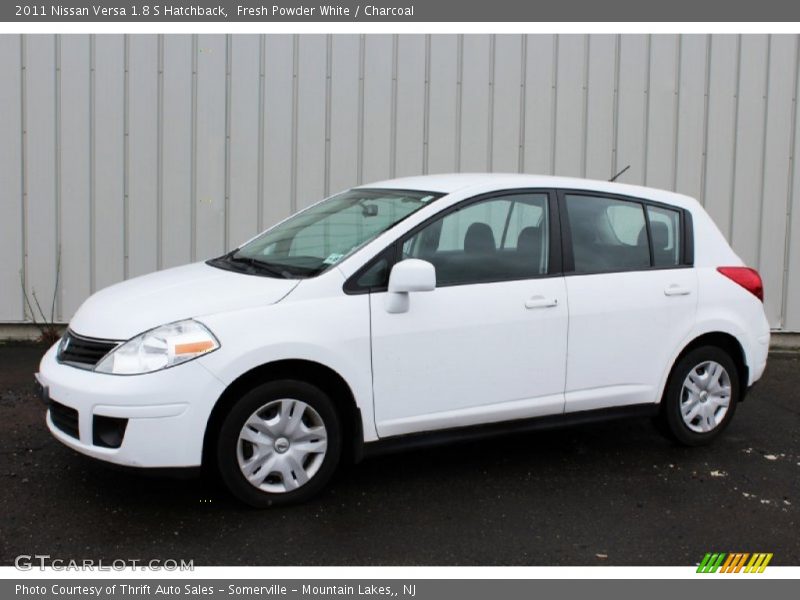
(414, 311)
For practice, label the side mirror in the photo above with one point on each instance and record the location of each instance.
(410, 275)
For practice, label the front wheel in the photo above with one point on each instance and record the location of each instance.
(701, 396)
(280, 443)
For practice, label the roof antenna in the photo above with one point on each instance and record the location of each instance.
(614, 178)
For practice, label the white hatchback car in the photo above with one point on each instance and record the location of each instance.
(414, 311)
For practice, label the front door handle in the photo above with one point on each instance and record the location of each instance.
(677, 290)
(540, 302)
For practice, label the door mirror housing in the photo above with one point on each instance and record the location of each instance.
(410, 275)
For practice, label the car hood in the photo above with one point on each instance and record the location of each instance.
(126, 309)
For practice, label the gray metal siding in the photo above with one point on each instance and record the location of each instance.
(120, 155)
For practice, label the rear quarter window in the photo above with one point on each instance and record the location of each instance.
(665, 232)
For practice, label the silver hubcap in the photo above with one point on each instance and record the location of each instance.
(705, 397)
(282, 446)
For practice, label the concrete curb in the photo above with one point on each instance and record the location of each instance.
(785, 342)
(17, 332)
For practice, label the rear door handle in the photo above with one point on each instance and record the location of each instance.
(540, 302)
(677, 290)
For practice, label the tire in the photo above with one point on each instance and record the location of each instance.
(700, 399)
(287, 436)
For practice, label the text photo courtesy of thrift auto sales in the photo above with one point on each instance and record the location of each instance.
(237, 590)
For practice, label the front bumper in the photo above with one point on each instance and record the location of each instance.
(165, 413)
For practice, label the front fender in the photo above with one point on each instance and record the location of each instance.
(332, 331)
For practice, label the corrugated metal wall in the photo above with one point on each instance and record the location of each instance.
(120, 155)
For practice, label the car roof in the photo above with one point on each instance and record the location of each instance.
(449, 183)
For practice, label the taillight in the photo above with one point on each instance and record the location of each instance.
(746, 277)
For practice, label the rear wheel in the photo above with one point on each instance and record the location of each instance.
(280, 443)
(701, 396)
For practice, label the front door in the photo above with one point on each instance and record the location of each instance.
(489, 343)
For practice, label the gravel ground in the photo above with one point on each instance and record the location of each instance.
(615, 493)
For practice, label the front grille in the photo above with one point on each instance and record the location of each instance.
(64, 418)
(83, 352)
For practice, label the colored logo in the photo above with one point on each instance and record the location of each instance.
(735, 562)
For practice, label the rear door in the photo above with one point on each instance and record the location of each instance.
(632, 297)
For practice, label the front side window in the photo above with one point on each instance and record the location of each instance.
(607, 234)
(317, 238)
(502, 238)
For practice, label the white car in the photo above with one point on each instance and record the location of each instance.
(409, 312)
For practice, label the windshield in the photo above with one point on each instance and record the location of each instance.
(317, 238)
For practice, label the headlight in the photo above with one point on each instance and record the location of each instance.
(159, 348)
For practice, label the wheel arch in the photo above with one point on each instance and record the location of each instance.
(322, 376)
(724, 341)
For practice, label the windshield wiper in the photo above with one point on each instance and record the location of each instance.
(258, 265)
(261, 265)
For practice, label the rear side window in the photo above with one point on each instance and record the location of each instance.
(607, 234)
(665, 231)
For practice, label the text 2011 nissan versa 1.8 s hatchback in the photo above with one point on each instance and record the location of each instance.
(411, 311)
